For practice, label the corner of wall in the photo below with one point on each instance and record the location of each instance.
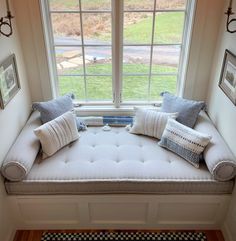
(222, 111)
(204, 38)
(31, 34)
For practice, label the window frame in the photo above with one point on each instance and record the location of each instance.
(117, 12)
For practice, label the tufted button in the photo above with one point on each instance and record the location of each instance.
(66, 161)
(169, 161)
(117, 161)
(142, 160)
(93, 145)
(91, 161)
(117, 145)
(140, 145)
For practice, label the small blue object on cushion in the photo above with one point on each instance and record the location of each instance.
(188, 109)
(184, 141)
(81, 126)
(51, 109)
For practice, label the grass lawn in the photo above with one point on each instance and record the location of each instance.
(137, 29)
(168, 29)
(134, 87)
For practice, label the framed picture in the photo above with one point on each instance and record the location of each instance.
(228, 76)
(9, 80)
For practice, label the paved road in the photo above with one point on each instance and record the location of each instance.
(138, 54)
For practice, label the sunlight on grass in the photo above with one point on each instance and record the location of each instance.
(134, 87)
(169, 27)
(127, 68)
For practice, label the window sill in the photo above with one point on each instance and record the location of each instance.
(109, 110)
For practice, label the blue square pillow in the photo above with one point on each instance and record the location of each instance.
(49, 110)
(188, 109)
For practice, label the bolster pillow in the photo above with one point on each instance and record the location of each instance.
(22, 154)
(218, 157)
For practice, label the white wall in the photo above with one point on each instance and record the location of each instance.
(12, 118)
(204, 37)
(30, 28)
(221, 109)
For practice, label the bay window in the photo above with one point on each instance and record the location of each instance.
(117, 52)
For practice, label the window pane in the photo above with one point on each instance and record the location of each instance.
(97, 28)
(64, 5)
(135, 88)
(165, 59)
(138, 28)
(170, 4)
(96, 4)
(99, 88)
(66, 27)
(136, 59)
(72, 84)
(98, 60)
(138, 4)
(69, 60)
(169, 27)
(160, 84)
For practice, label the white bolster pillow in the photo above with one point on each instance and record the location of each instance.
(23, 152)
(218, 157)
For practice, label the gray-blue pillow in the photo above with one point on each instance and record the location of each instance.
(188, 109)
(51, 109)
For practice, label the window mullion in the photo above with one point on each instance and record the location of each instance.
(83, 53)
(117, 53)
(151, 51)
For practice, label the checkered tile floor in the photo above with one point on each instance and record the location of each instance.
(123, 236)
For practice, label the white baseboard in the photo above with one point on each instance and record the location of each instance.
(10, 235)
(226, 233)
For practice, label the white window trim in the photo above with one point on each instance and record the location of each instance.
(117, 52)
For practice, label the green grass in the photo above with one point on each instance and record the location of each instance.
(134, 87)
(168, 29)
(127, 68)
(137, 26)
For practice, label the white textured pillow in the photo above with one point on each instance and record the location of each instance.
(57, 133)
(151, 123)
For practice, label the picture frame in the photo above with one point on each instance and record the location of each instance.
(9, 80)
(228, 76)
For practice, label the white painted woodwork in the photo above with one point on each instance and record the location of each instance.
(119, 211)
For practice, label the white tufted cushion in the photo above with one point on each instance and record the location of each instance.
(116, 162)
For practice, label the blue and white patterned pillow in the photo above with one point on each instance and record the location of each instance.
(184, 141)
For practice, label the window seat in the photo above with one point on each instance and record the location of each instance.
(116, 162)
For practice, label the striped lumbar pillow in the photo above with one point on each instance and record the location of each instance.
(57, 133)
(150, 123)
(184, 141)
